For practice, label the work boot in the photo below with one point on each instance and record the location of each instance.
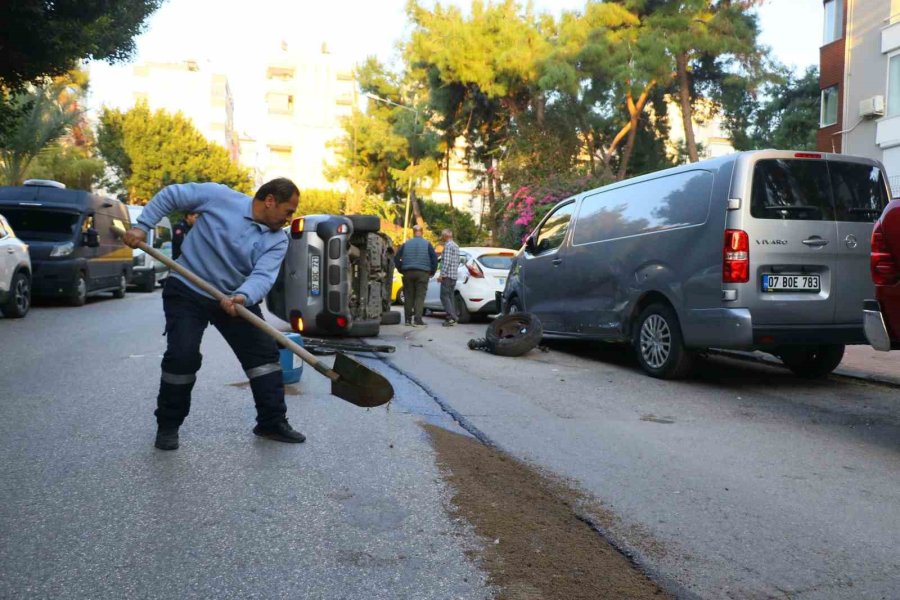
(409, 323)
(420, 323)
(280, 432)
(167, 438)
(449, 323)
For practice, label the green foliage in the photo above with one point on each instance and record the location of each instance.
(150, 150)
(40, 38)
(69, 165)
(320, 202)
(35, 117)
(440, 216)
(787, 117)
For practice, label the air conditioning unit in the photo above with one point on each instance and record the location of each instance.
(872, 107)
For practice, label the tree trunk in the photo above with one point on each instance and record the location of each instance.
(450, 190)
(492, 217)
(687, 110)
(539, 106)
(635, 110)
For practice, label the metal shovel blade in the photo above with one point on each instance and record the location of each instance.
(359, 384)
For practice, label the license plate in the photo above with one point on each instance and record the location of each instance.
(790, 283)
(314, 269)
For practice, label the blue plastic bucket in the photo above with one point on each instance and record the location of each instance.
(291, 364)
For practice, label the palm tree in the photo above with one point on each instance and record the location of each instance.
(44, 113)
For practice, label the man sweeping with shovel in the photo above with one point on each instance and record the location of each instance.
(238, 246)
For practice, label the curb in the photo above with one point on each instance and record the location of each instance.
(844, 372)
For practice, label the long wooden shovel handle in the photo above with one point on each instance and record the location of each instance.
(242, 311)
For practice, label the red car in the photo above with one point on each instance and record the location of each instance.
(882, 315)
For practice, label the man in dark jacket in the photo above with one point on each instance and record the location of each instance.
(182, 228)
(417, 261)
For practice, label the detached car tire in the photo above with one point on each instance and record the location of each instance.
(659, 344)
(390, 318)
(813, 362)
(514, 335)
(365, 223)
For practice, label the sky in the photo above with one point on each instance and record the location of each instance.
(235, 37)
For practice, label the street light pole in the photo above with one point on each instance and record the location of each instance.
(415, 112)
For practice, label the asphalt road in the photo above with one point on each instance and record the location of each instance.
(89, 509)
(744, 482)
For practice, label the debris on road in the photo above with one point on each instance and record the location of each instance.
(510, 335)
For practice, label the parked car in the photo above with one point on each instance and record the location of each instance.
(336, 277)
(763, 250)
(15, 273)
(397, 294)
(482, 273)
(882, 315)
(147, 272)
(74, 251)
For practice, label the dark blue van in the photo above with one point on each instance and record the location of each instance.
(74, 251)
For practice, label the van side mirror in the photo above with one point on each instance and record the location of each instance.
(91, 238)
(529, 244)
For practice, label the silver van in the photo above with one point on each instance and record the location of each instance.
(765, 250)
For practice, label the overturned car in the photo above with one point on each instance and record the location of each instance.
(336, 277)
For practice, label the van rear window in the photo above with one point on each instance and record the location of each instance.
(860, 192)
(40, 224)
(791, 190)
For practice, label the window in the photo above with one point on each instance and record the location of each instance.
(553, 232)
(829, 114)
(280, 104)
(496, 261)
(43, 225)
(659, 204)
(860, 193)
(3, 232)
(893, 103)
(791, 190)
(834, 21)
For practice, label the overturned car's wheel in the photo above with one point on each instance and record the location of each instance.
(514, 335)
(365, 223)
(390, 318)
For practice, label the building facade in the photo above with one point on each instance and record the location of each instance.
(859, 80)
(306, 97)
(201, 95)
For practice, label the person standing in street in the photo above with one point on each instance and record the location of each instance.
(447, 279)
(238, 246)
(182, 228)
(417, 262)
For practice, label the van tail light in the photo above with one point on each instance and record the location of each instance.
(474, 269)
(297, 226)
(341, 322)
(736, 257)
(884, 268)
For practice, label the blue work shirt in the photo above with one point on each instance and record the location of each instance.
(226, 246)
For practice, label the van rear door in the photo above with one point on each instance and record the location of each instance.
(793, 241)
(860, 195)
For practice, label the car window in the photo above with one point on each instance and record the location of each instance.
(860, 193)
(88, 223)
(790, 189)
(42, 224)
(3, 231)
(163, 235)
(553, 232)
(496, 261)
(669, 202)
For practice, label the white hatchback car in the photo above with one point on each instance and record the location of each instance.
(15, 273)
(482, 273)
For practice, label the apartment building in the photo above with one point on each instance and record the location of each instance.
(201, 95)
(860, 81)
(306, 96)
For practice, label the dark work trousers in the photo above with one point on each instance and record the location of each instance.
(187, 315)
(415, 284)
(448, 298)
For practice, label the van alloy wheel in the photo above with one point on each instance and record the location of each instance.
(656, 341)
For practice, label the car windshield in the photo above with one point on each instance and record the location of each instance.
(496, 261)
(42, 225)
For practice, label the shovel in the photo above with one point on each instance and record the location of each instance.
(350, 380)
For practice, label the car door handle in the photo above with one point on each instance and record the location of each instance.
(10, 250)
(815, 242)
(556, 262)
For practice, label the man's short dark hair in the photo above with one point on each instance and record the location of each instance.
(283, 189)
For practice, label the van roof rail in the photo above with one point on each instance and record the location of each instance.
(45, 183)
